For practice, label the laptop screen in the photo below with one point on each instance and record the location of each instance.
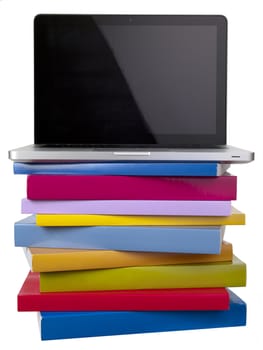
(130, 81)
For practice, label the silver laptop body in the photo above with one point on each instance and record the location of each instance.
(34, 153)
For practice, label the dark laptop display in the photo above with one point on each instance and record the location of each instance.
(135, 81)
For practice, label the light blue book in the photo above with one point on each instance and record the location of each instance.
(125, 168)
(64, 325)
(171, 239)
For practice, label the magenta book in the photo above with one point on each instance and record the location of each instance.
(81, 187)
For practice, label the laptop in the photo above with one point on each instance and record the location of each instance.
(130, 88)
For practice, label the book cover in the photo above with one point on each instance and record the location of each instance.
(236, 218)
(127, 207)
(175, 239)
(62, 325)
(30, 299)
(52, 259)
(61, 187)
(209, 275)
(124, 168)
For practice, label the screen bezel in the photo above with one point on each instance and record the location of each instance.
(169, 141)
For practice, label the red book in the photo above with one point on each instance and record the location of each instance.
(30, 299)
(81, 187)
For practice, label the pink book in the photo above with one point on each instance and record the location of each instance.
(81, 187)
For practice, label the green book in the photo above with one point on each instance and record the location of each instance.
(223, 274)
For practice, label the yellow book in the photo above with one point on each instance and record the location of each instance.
(52, 259)
(222, 274)
(236, 218)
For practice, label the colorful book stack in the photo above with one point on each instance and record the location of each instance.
(121, 248)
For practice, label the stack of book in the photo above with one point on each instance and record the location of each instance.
(121, 248)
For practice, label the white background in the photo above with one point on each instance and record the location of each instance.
(245, 76)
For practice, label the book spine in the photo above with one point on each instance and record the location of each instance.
(128, 168)
(30, 299)
(135, 220)
(62, 325)
(128, 207)
(147, 277)
(47, 260)
(59, 187)
(205, 240)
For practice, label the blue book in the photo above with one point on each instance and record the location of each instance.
(65, 325)
(124, 168)
(171, 239)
